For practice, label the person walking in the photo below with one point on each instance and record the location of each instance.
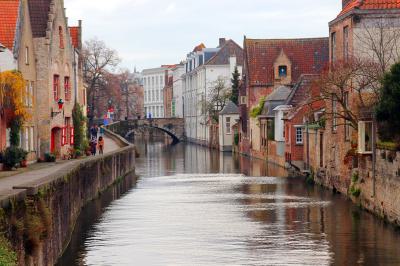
(101, 145)
(93, 144)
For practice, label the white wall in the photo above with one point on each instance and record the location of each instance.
(153, 85)
(225, 138)
(7, 61)
(178, 90)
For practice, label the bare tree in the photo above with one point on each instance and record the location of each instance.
(216, 100)
(98, 60)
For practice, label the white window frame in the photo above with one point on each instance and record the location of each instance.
(361, 137)
(298, 141)
(228, 125)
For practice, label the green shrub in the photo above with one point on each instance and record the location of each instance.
(354, 177)
(50, 157)
(387, 145)
(257, 110)
(77, 153)
(8, 257)
(236, 139)
(13, 156)
(355, 192)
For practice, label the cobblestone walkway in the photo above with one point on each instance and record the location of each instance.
(38, 171)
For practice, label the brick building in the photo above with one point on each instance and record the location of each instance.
(358, 26)
(58, 75)
(270, 64)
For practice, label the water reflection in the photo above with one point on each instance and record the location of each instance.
(193, 206)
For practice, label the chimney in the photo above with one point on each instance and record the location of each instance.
(222, 42)
(344, 3)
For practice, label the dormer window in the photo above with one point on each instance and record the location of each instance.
(282, 71)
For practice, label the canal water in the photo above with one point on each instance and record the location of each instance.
(193, 206)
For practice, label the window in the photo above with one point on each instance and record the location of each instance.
(228, 125)
(26, 139)
(365, 135)
(56, 87)
(61, 35)
(243, 100)
(271, 129)
(299, 135)
(282, 71)
(346, 43)
(31, 139)
(334, 114)
(67, 89)
(333, 46)
(26, 55)
(27, 93)
(31, 85)
(64, 136)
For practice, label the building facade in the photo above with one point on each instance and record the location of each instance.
(177, 87)
(204, 69)
(154, 82)
(58, 76)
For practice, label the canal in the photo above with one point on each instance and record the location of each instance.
(193, 206)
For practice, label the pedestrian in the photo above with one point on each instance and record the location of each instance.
(93, 144)
(93, 131)
(101, 145)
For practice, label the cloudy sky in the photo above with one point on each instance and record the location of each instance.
(148, 33)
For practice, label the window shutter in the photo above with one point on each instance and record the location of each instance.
(64, 136)
(72, 137)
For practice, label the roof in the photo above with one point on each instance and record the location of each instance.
(230, 109)
(74, 32)
(370, 5)
(302, 90)
(229, 49)
(275, 99)
(9, 10)
(39, 13)
(307, 56)
(279, 94)
(199, 47)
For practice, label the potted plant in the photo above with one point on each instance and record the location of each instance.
(50, 157)
(23, 157)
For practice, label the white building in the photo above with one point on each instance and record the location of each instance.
(203, 68)
(153, 84)
(7, 60)
(228, 117)
(177, 100)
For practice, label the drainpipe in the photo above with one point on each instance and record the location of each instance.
(373, 156)
(308, 146)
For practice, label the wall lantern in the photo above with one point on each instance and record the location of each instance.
(60, 104)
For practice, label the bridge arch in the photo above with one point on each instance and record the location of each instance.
(175, 139)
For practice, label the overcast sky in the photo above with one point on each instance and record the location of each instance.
(148, 33)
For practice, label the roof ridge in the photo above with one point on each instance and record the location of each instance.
(289, 39)
(221, 48)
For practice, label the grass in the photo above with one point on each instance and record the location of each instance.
(8, 257)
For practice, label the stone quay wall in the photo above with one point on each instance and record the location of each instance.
(39, 219)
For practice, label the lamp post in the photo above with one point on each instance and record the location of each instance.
(60, 104)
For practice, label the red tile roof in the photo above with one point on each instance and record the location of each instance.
(39, 13)
(230, 48)
(9, 10)
(370, 4)
(307, 56)
(74, 32)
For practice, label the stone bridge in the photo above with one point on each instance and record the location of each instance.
(173, 127)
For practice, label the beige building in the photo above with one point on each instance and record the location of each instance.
(58, 77)
(18, 41)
